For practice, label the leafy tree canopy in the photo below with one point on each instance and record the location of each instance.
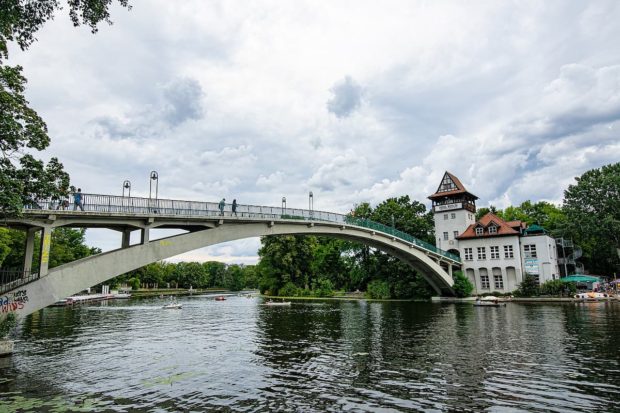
(592, 208)
(23, 178)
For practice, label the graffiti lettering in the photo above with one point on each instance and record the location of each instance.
(14, 301)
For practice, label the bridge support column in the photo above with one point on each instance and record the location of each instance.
(44, 257)
(144, 235)
(126, 238)
(450, 269)
(29, 251)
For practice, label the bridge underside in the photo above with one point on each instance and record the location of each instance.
(60, 282)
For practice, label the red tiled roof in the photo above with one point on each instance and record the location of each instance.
(502, 227)
(516, 224)
(460, 188)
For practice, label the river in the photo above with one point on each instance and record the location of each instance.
(240, 355)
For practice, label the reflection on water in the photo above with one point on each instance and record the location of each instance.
(240, 355)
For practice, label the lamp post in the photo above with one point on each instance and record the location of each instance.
(283, 205)
(393, 227)
(127, 185)
(311, 203)
(154, 177)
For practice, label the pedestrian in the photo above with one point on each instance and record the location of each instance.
(234, 207)
(78, 200)
(222, 205)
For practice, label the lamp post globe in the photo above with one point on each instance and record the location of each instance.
(154, 176)
(127, 185)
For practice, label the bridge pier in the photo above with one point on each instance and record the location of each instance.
(126, 238)
(29, 250)
(44, 256)
(144, 236)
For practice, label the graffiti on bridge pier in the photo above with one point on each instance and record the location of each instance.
(13, 302)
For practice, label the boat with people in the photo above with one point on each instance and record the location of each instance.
(489, 301)
(276, 303)
(173, 305)
(593, 296)
(220, 298)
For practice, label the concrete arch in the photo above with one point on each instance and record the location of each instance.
(76, 276)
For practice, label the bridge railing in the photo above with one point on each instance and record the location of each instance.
(13, 278)
(148, 206)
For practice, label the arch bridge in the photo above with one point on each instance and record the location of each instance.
(27, 291)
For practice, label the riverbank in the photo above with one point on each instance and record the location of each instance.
(520, 300)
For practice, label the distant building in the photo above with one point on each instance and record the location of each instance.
(496, 254)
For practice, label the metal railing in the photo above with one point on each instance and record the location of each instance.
(11, 278)
(111, 204)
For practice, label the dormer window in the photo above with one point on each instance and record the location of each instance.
(479, 230)
(492, 229)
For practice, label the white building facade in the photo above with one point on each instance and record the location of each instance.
(496, 254)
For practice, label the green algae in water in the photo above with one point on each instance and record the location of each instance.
(59, 404)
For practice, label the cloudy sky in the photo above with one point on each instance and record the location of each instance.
(354, 100)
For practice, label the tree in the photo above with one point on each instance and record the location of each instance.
(24, 179)
(462, 286)
(592, 208)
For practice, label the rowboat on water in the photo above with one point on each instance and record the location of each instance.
(275, 303)
(488, 301)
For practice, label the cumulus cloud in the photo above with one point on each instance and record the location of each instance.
(182, 100)
(342, 172)
(346, 97)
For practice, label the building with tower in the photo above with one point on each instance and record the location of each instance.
(454, 209)
(496, 254)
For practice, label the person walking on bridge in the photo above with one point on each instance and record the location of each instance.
(221, 206)
(234, 207)
(78, 200)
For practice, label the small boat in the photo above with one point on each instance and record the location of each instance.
(220, 298)
(274, 303)
(172, 306)
(592, 296)
(489, 301)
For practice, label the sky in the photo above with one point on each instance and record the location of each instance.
(356, 101)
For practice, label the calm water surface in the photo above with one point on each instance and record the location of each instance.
(240, 355)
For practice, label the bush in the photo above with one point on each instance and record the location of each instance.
(289, 290)
(528, 287)
(323, 288)
(7, 324)
(558, 288)
(462, 286)
(135, 283)
(379, 290)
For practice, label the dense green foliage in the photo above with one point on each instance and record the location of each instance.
(556, 288)
(528, 287)
(545, 214)
(462, 286)
(6, 324)
(210, 274)
(592, 208)
(23, 178)
(67, 245)
(319, 266)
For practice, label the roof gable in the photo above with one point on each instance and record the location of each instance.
(450, 185)
(486, 221)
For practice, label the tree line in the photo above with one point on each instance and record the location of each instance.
(308, 265)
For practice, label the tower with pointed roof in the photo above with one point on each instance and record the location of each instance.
(454, 210)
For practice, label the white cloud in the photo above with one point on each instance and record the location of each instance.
(346, 97)
(516, 99)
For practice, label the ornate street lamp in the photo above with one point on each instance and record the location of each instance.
(311, 203)
(154, 177)
(127, 185)
(283, 205)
